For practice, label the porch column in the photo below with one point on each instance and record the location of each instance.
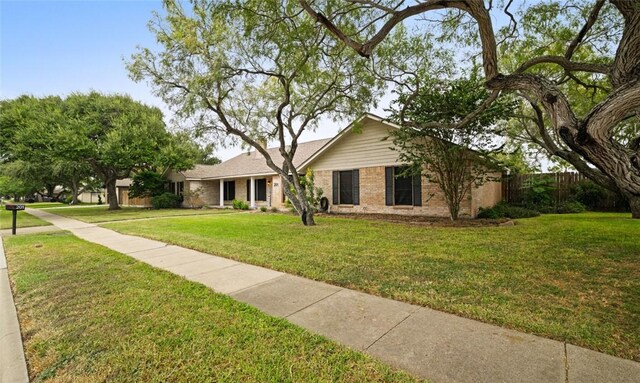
(253, 192)
(221, 193)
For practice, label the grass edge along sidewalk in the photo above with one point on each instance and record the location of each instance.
(24, 219)
(93, 314)
(573, 278)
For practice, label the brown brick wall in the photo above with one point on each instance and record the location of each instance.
(372, 196)
(208, 193)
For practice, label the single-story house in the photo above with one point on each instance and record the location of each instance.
(356, 169)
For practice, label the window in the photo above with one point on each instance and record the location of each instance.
(180, 188)
(261, 189)
(229, 188)
(402, 190)
(346, 187)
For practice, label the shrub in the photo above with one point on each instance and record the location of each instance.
(263, 209)
(240, 205)
(588, 193)
(274, 209)
(504, 210)
(520, 212)
(68, 200)
(539, 194)
(569, 207)
(165, 201)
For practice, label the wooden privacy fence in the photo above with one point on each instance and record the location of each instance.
(514, 188)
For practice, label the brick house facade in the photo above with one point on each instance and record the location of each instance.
(356, 170)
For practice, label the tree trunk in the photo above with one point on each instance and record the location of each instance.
(634, 202)
(74, 193)
(112, 196)
(50, 191)
(307, 217)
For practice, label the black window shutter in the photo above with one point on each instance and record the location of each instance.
(388, 186)
(417, 190)
(356, 186)
(336, 189)
(248, 190)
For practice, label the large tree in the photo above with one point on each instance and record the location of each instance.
(32, 143)
(117, 136)
(594, 44)
(252, 71)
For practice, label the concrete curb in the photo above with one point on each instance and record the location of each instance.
(13, 366)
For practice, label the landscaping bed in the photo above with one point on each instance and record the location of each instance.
(571, 277)
(423, 220)
(89, 314)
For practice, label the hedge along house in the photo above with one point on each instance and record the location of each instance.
(244, 177)
(357, 171)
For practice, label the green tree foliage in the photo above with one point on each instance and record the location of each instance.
(456, 159)
(207, 156)
(35, 130)
(251, 71)
(147, 183)
(117, 136)
(83, 138)
(574, 64)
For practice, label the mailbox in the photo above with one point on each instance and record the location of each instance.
(14, 207)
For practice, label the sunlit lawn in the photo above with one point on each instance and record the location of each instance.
(570, 277)
(89, 314)
(102, 214)
(24, 219)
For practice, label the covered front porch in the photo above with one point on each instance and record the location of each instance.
(257, 191)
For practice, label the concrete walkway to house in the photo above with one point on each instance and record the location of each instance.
(429, 344)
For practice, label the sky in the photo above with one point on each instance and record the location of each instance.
(51, 47)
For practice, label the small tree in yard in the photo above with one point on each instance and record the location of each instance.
(455, 159)
(253, 70)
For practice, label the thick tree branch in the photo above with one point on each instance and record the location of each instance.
(565, 63)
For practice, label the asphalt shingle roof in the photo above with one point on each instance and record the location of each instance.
(253, 163)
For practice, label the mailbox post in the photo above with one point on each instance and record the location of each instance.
(14, 209)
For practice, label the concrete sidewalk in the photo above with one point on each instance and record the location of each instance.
(429, 344)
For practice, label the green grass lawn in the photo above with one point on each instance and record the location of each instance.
(40, 205)
(574, 278)
(101, 214)
(24, 219)
(89, 314)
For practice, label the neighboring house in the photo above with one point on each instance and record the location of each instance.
(122, 188)
(356, 169)
(92, 197)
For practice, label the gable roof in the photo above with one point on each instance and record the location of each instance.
(252, 163)
(330, 143)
